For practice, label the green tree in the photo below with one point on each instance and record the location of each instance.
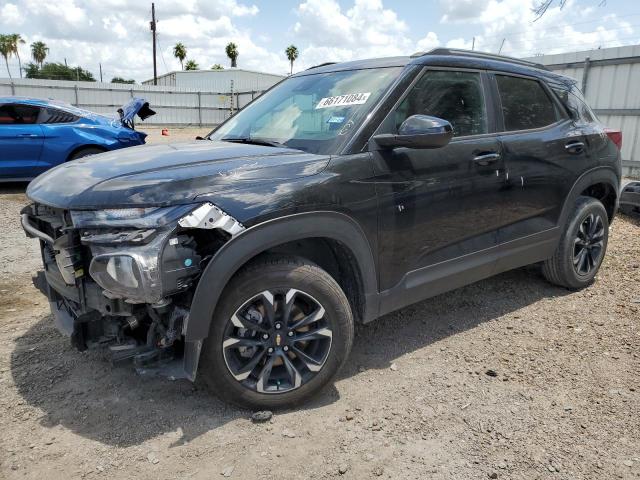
(180, 52)
(39, 51)
(121, 80)
(232, 52)
(6, 50)
(58, 71)
(292, 55)
(217, 66)
(191, 65)
(16, 40)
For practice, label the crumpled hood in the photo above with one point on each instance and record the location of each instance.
(159, 175)
(136, 106)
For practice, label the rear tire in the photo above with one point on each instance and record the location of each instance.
(280, 333)
(582, 246)
(85, 152)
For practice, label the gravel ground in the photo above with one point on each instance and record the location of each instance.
(506, 378)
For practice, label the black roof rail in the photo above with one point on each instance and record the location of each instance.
(322, 65)
(474, 54)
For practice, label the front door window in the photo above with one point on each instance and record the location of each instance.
(453, 96)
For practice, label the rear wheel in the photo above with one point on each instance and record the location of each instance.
(85, 152)
(581, 250)
(281, 331)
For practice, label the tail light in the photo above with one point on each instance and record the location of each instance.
(615, 136)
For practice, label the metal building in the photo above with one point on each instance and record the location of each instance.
(610, 80)
(218, 80)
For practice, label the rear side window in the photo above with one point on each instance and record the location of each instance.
(572, 98)
(53, 115)
(15, 114)
(525, 104)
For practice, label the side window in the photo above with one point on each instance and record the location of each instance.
(572, 98)
(53, 115)
(453, 96)
(525, 104)
(14, 114)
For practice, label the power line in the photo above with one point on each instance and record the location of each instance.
(166, 70)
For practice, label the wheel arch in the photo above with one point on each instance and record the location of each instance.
(601, 183)
(85, 147)
(333, 228)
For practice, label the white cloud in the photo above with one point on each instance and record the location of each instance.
(429, 42)
(116, 32)
(514, 22)
(461, 10)
(11, 14)
(366, 29)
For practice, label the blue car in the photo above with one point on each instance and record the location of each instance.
(36, 135)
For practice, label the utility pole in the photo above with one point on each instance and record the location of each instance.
(100, 72)
(501, 45)
(473, 45)
(153, 34)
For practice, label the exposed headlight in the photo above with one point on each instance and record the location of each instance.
(116, 273)
(130, 272)
(129, 217)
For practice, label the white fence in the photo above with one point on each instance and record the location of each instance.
(610, 81)
(173, 105)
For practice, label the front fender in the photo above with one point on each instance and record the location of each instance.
(259, 238)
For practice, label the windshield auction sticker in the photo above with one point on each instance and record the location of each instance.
(343, 100)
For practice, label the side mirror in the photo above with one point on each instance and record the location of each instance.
(418, 131)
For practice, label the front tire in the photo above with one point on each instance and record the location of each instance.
(280, 333)
(582, 246)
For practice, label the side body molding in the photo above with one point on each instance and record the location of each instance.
(255, 240)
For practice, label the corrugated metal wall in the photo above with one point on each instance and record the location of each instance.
(611, 87)
(219, 80)
(173, 105)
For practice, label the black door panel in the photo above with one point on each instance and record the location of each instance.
(541, 171)
(436, 205)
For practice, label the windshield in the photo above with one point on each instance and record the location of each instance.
(315, 113)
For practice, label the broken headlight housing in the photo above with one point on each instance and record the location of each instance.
(129, 217)
(143, 254)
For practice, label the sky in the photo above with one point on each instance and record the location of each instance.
(115, 33)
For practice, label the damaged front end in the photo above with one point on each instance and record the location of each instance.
(123, 279)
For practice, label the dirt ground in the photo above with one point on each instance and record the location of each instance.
(414, 401)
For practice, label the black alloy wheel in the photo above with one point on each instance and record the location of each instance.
(282, 329)
(277, 341)
(588, 244)
(582, 245)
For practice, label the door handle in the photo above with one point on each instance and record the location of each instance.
(28, 135)
(574, 147)
(485, 159)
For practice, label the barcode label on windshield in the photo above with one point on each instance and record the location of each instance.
(343, 100)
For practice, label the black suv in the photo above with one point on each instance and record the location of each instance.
(345, 192)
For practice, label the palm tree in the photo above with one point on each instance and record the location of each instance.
(292, 55)
(15, 40)
(217, 66)
(6, 50)
(39, 52)
(180, 52)
(191, 65)
(232, 53)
